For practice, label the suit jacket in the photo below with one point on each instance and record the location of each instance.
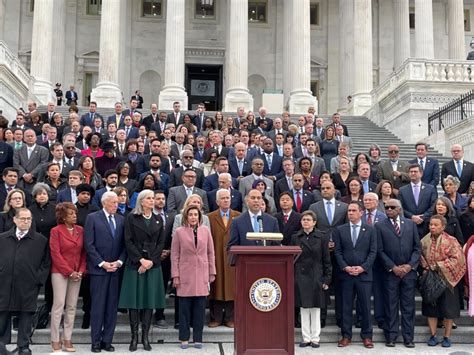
(242, 225)
(100, 244)
(127, 112)
(211, 182)
(235, 198)
(164, 180)
(176, 174)
(67, 250)
(6, 156)
(38, 156)
(113, 119)
(276, 169)
(339, 215)
(172, 119)
(394, 250)
(224, 152)
(234, 168)
(177, 196)
(379, 216)
(281, 185)
(45, 117)
(426, 200)
(4, 193)
(132, 133)
(272, 134)
(192, 265)
(363, 254)
(245, 185)
(64, 195)
(430, 170)
(291, 227)
(344, 128)
(307, 200)
(466, 177)
(71, 97)
(87, 119)
(385, 170)
(148, 121)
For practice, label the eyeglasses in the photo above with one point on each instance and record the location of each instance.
(393, 151)
(190, 176)
(24, 219)
(390, 207)
(188, 157)
(70, 147)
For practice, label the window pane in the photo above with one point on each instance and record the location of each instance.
(207, 11)
(467, 20)
(151, 8)
(314, 14)
(258, 11)
(94, 7)
(412, 18)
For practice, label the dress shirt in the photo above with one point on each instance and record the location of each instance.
(115, 224)
(394, 165)
(357, 225)
(333, 207)
(20, 234)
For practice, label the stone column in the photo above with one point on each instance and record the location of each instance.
(346, 52)
(42, 49)
(363, 77)
(300, 50)
(287, 56)
(457, 48)
(108, 92)
(173, 89)
(401, 13)
(424, 29)
(59, 43)
(2, 20)
(236, 57)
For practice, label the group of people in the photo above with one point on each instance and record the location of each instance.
(123, 209)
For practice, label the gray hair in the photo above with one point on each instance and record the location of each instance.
(372, 194)
(141, 196)
(186, 151)
(220, 192)
(40, 187)
(107, 195)
(226, 175)
(456, 182)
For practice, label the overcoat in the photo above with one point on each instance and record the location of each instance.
(24, 267)
(224, 287)
(313, 268)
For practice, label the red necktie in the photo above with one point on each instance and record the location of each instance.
(396, 227)
(285, 218)
(369, 219)
(298, 201)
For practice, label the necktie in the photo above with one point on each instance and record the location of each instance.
(29, 153)
(290, 183)
(459, 168)
(117, 120)
(285, 218)
(369, 218)
(112, 225)
(9, 188)
(73, 196)
(421, 163)
(127, 130)
(396, 227)
(70, 162)
(189, 192)
(329, 211)
(91, 116)
(416, 193)
(225, 219)
(256, 227)
(298, 201)
(354, 235)
(20, 235)
(365, 185)
(269, 161)
(163, 216)
(17, 145)
(241, 167)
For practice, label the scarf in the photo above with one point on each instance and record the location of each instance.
(445, 255)
(87, 175)
(121, 208)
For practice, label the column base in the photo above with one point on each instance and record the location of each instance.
(299, 102)
(169, 95)
(238, 98)
(43, 91)
(360, 104)
(106, 94)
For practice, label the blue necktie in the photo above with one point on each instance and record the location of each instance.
(366, 186)
(421, 164)
(354, 235)
(256, 227)
(111, 225)
(329, 211)
(459, 168)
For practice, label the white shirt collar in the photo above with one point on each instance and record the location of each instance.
(333, 201)
(252, 215)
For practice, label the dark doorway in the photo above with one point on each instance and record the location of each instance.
(204, 84)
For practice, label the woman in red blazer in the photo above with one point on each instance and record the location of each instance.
(193, 268)
(68, 266)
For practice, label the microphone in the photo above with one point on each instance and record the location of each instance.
(260, 224)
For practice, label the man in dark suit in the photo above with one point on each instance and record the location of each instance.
(154, 164)
(6, 155)
(399, 253)
(200, 116)
(394, 169)
(47, 117)
(262, 117)
(319, 129)
(336, 121)
(417, 199)
(286, 182)
(133, 104)
(225, 182)
(111, 180)
(104, 244)
(303, 199)
(363, 170)
(117, 117)
(57, 157)
(277, 128)
(176, 117)
(458, 167)
(158, 126)
(176, 174)
(131, 132)
(239, 166)
(250, 222)
(11, 181)
(430, 166)
(87, 119)
(178, 194)
(153, 117)
(71, 96)
(355, 252)
(272, 168)
(69, 194)
(216, 138)
(211, 182)
(289, 221)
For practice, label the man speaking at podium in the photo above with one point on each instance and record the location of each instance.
(254, 220)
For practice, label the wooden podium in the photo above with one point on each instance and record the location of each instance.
(264, 299)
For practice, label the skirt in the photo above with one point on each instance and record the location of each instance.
(142, 291)
(447, 306)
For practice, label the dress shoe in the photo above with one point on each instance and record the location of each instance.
(390, 344)
(160, 324)
(213, 324)
(314, 345)
(455, 326)
(368, 343)
(409, 344)
(344, 342)
(323, 323)
(304, 344)
(24, 351)
(380, 324)
(68, 347)
(107, 347)
(56, 346)
(358, 324)
(230, 324)
(95, 348)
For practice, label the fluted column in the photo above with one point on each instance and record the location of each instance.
(108, 92)
(299, 47)
(236, 58)
(59, 43)
(401, 13)
(363, 77)
(2, 20)
(456, 30)
(346, 52)
(173, 89)
(287, 55)
(424, 29)
(42, 49)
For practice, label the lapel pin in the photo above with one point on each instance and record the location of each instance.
(363, 229)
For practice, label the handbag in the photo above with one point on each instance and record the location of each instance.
(431, 286)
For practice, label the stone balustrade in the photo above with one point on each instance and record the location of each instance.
(14, 65)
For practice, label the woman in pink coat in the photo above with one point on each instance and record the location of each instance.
(192, 269)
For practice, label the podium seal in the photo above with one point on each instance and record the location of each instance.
(265, 294)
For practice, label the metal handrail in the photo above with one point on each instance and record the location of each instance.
(452, 113)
